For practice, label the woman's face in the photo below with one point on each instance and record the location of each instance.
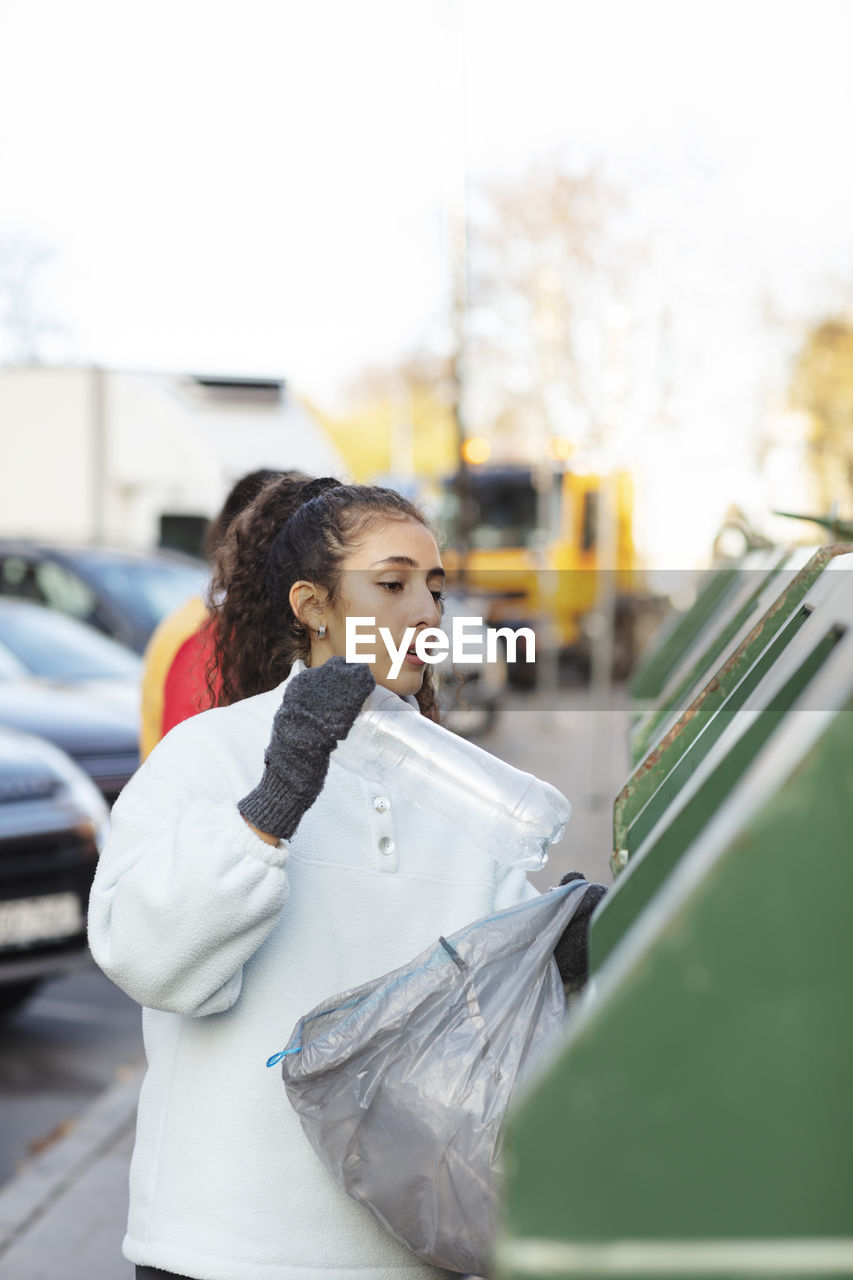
(393, 574)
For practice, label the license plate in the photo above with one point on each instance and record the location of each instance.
(57, 915)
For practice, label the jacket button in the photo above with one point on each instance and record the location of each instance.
(381, 804)
(387, 846)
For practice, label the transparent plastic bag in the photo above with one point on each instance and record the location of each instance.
(401, 1085)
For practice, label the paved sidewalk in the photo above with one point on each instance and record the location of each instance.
(64, 1214)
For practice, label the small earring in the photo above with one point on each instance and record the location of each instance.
(321, 631)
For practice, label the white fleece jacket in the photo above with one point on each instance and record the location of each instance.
(227, 941)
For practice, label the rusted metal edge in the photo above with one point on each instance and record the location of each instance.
(655, 765)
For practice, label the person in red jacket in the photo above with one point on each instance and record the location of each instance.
(177, 657)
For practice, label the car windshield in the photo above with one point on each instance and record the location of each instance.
(48, 644)
(146, 589)
(505, 510)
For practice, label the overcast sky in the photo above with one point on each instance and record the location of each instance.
(263, 186)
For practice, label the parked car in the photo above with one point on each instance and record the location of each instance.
(53, 822)
(122, 593)
(64, 681)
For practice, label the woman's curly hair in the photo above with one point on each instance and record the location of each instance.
(296, 528)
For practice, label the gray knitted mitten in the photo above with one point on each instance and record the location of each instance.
(572, 950)
(318, 710)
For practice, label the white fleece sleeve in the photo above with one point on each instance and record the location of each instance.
(184, 892)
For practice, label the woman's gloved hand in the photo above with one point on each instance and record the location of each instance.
(572, 951)
(318, 709)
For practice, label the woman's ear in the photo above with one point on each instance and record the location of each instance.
(307, 603)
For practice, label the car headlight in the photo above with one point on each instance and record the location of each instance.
(81, 789)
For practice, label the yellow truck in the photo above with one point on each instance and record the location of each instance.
(551, 549)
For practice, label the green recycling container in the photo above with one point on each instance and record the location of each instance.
(697, 1120)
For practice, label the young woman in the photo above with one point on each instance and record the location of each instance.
(248, 876)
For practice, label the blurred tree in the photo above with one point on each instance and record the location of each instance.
(540, 322)
(24, 326)
(822, 387)
(549, 279)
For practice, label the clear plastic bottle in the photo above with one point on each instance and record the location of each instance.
(517, 815)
